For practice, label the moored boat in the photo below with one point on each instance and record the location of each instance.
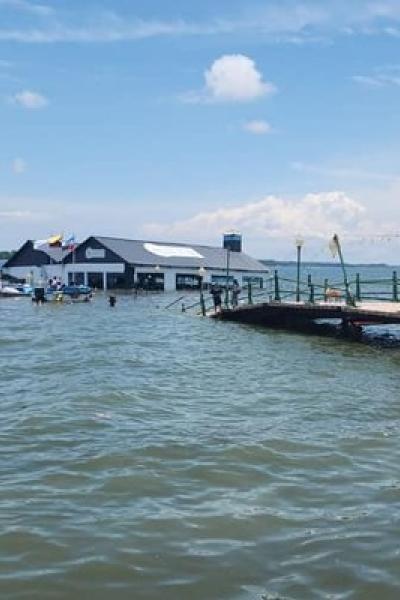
(9, 291)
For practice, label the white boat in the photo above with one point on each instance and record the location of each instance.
(8, 291)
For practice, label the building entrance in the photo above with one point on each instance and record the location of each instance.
(151, 281)
(95, 281)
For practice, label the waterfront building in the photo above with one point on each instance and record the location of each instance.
(34, 264)
(112, 263)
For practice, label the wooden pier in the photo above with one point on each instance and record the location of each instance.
(303, 316)
(348, 306)
(309, 306)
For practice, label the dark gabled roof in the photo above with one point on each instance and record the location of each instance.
(134, 252)
(35, 257)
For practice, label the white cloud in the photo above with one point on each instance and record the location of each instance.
(381, 77)
(314, 215)
(257, 127)
(16, 214)
(235, 78)
(30, 100)
(368, 81)
(345, 173)
(18, 166)
(292, 21)
(28, 7)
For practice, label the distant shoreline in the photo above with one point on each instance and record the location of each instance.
(272, 262)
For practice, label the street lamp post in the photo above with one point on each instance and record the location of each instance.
(299, 245)
(228, 256)
(157, 269)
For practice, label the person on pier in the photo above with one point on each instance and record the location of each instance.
(216, 293)
(235, 293)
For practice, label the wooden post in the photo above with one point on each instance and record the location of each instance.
(276, 282)
(249, 294)
(395, 287)
(326, 286)
(358, 287)
(338, 247)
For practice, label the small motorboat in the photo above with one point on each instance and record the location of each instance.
(9, 291)
(69, 293)
(25, 289)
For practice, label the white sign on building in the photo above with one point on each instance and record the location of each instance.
(95, 253)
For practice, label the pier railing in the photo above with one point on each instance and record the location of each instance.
(283, 289)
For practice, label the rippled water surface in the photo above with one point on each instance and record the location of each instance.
(150, 454)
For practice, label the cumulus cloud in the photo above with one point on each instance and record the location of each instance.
(18, 166)
(232, 78)
(314, 215)
(257, 127)
(30, 100)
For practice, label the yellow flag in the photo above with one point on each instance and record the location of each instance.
(55, 240)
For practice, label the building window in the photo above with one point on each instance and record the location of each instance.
(221, 279)
(95, 280)
(255, 281)
(150, 281)
(115, 281)
(187, 282)
(76, 278)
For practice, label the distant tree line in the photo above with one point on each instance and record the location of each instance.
(6, 254)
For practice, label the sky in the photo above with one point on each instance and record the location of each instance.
(180, 119)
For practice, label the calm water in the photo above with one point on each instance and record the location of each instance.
(147, 454)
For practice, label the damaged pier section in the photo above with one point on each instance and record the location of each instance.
(349, 320)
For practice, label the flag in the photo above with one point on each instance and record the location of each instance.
(69, 243)
(333, 246)
(55, 241)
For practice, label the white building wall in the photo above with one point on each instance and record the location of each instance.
(40, 275)
(48, 271)
(170, 280)
(87, 268)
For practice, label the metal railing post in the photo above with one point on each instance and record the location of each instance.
(395, 287)
(202, 304)
(310, 284)
(276, 282)
(249, 294)
(326, 286)
(358, 287)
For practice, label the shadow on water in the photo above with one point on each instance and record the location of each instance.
(384, 337)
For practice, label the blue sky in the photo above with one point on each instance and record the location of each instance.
(177, 120)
